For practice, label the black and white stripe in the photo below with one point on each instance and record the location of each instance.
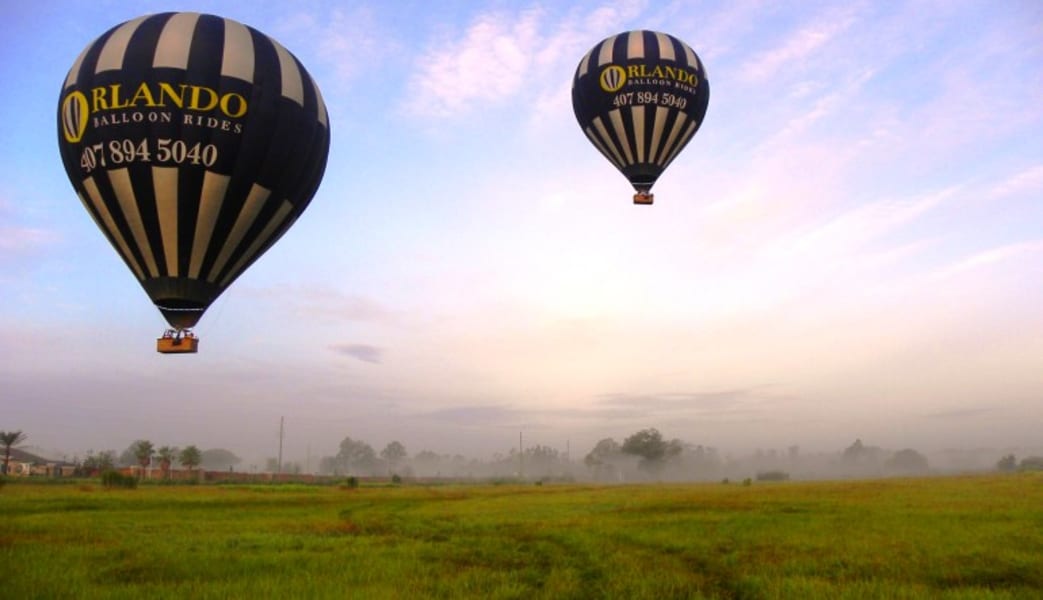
(187, 231)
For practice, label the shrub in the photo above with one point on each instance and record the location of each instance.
(115, 479)
(396, 479)
(351, 482)
(747, 481)
(1007, 463)
(1032, 463)
(773, 476)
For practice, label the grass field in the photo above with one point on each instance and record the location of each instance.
(953, 537)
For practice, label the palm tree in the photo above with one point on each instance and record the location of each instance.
(9, 439)
(143, 451)
(166, 455)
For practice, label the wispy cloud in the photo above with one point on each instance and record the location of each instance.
(327, 302)
(18, 239)
(868, 222)
(748, 403)
(347, 41)
(796, 48)
(363, 352)
(1024, 181)
(992, 256)
(964, 413)
(472, 415)
(488, 64)
(502, 56)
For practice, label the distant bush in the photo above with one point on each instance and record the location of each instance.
(396, 479)
(1032, 463)
(115, 479)
(773, 476)
(747, 481)
(907, 461)
(3, 480)
(1007, 463)
(350, 483)
(725, 481)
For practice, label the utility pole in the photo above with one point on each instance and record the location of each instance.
(279, 467)
(521, 457)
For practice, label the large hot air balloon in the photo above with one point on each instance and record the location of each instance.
(194, 142)
(640, 96)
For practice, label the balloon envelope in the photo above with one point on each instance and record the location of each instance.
(640, 96)
(194, 142)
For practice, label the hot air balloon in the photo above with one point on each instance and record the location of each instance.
(640, 96)
(194, 142)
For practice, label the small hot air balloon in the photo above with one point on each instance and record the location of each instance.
(640, 96)
(194, 142)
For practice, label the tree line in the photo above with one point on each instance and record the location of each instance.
(644, 455)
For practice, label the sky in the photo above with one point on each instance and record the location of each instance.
(850, 247)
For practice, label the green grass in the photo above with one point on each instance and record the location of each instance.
(958, 537)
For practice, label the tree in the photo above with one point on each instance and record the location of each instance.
(393, 453)
(356, 456)
(98, 463)
(143, 452)
(427, 463)
(1007, 463)
(1032, 463)
(854, 452)
(166, 455)
(861, 455)
(604, 460)
(604, 451)
(190, 457)
(328, 465)
(219, 459)
(540, 461)
(652, 448)
(10, 439)
(907, 461)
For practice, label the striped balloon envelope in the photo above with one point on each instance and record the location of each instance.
(194, 142)
(640, 96)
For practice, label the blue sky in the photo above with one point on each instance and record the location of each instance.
(851, 246)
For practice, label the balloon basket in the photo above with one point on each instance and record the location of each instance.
(177, 343)
(643, 198)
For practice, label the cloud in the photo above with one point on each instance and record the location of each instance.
(347, 40)
(18, 240)
(329, 303)
(992, 256)
(870, 221)
(472, 415)
(363, 352)
(502, 56)
(963, 413)
(487, 65)
(722, 403)
(1024, 181)
(795, 49)
(350, 40)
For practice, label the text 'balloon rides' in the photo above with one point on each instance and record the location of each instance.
(194, 142)
(640, 96)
